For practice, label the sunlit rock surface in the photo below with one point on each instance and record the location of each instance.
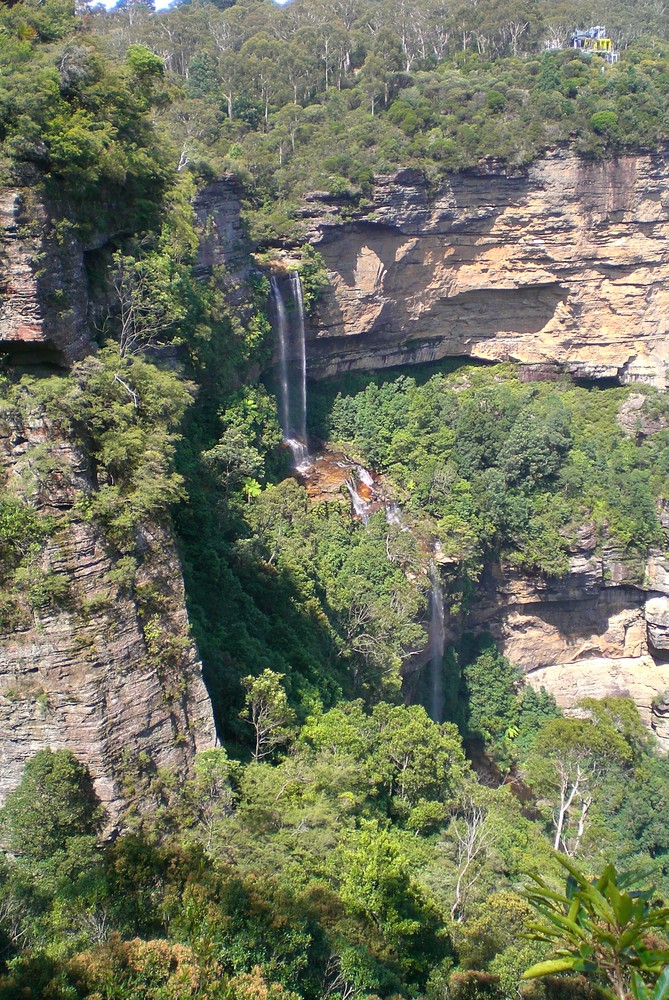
(563, 266)
(95, 672)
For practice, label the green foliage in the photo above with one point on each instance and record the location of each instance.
(377, 885)
(125, 412)
(20, 530)
(143, 62)
(360, 91)
(268, 712)
(313, 276)
(604, 927)
(505, 468)
(605, 123)
(53, 803)
(367, 860)
(568, 763)
(76, 119)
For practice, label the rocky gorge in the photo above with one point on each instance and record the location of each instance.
(562, 267)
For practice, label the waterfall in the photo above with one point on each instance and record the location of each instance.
(368, 497)
(283, 332)
(364, 476)
(298, 298)
(292, 384)
(437, 636)
(361, 507)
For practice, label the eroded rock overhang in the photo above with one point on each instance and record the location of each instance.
(563, 266)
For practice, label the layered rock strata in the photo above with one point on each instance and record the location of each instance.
(104, 664)
(562, 267)
(106, 667)
(601, 631)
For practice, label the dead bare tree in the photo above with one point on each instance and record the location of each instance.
(143, 315)
(474, 835)
(574, 776)
(335, 983)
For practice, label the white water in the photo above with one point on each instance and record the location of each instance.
(292, 382)
(367, 497)
(393, 513)
(364, 476)
(298, 298)
(437, 634)
(360, 506)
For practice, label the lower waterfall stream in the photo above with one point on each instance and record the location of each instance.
(437, 636)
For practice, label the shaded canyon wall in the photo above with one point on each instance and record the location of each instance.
(107, 668)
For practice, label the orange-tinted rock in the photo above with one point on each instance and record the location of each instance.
(562, 266)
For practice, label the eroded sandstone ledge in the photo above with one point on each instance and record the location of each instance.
(601, 631)
(564, 267)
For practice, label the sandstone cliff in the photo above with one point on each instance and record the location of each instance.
(600, 631)
(105, 668)
(46, 307)
(564, 266)
(43, 284)
(97, 658)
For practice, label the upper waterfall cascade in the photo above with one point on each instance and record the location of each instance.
(365, 488)
(292, 370)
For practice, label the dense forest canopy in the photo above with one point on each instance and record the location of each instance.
(316, 96)
(343, 843)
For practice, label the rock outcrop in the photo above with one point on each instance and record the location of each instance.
(601, 631)
(43, 284)
(640, 678)
(562, 267)
(224, 248)
(45, 300)
(98, 657)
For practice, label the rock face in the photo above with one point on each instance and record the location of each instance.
(224, 246)
(563, 267)
(601, 631)
(43, 284)
(639, 678)
(44, 289)
(105, 668)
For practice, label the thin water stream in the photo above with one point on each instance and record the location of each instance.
(437, 636)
